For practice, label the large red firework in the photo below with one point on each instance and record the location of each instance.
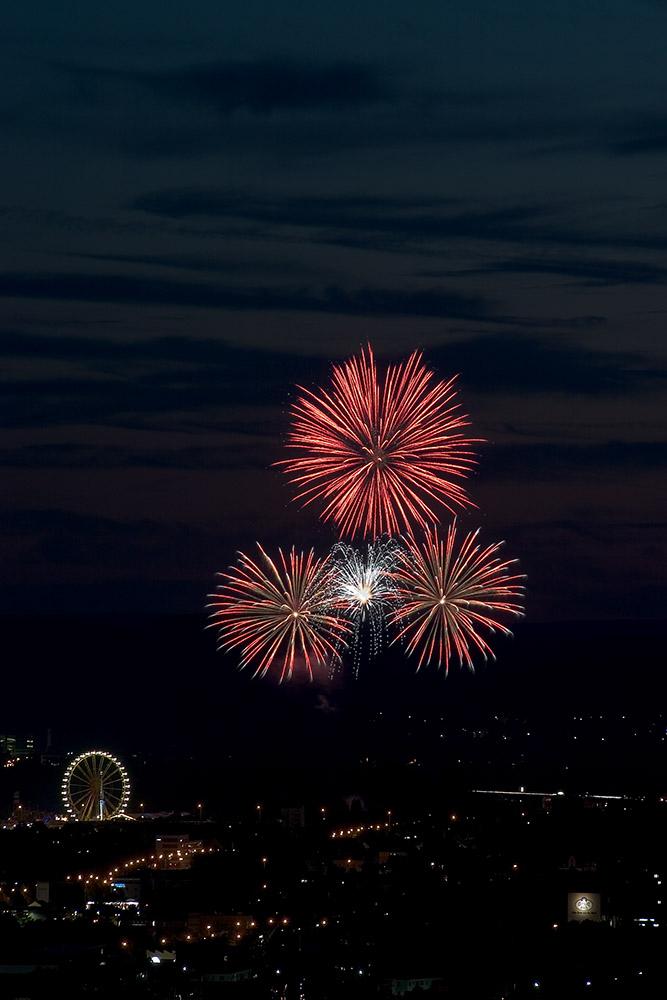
(278, 613)
(381, 455)
(447, 595)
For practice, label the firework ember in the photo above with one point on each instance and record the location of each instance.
(381, 455)
(448, 595)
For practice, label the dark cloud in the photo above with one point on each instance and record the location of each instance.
(126, 595)
(195, 381)
(155, 549)
(618, 135)
(173, 565)
(644, 144)
(505, 362)
(223, 371)
(195, 262)
(527, 462)
(359, 211)
(189, 402)
(104, 225)
(574, 566)
(247, 454)
(132, 383)
(648, 135)
(67, 538)
(400, 224)
(417, 217)
(240, 361)
(51, 402)
(380, 224)
(260, 86)
(333, 299)
(591, 272)
(548, 461)
(322, 105)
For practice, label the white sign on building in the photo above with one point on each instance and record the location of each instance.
(583, 906)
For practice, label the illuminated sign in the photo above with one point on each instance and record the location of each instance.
(583, 906)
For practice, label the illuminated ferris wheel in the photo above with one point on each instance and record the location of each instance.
(95, 786)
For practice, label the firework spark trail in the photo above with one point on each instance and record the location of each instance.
(363, 590)
(447, 595)
(380, 455)
(275, 612)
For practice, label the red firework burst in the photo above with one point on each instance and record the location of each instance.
(380, 454)
(277, 613)
(447, 595)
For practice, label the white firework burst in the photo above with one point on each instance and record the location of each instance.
(362, 591)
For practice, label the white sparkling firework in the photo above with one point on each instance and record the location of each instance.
(363, 591)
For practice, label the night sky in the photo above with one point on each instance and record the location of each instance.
(204, 204)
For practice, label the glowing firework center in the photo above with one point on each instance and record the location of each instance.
(95, 787)
(361, 594)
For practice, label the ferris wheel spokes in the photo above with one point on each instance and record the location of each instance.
(95, 787)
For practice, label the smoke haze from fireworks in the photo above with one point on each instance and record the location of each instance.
(278, 612)
(446, 596)
(380, 455)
